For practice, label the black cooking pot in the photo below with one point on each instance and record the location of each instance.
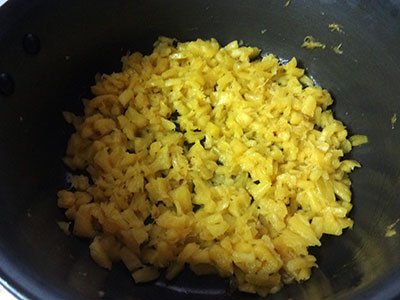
(49, 53)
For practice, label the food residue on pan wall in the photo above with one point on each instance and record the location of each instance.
(337, 49)
(390, 231)
(311, 43)
(64, 226)
(287, 3)
(335, 27)
(393, 120)
(263, 31)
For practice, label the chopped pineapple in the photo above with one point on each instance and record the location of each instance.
(200, 155)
